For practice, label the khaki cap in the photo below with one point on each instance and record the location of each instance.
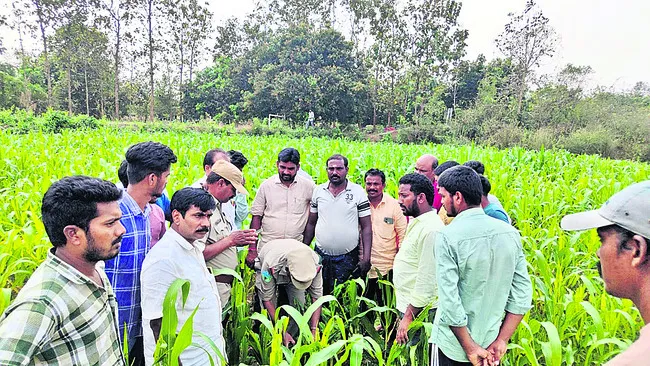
(629, 209)
(230, 172)
(302, 267)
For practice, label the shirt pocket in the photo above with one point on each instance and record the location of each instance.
(385, 230)
(299, 205)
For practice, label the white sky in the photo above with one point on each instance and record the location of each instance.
(613, 37)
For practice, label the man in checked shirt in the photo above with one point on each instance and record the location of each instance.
(66, 313)
(148, 171)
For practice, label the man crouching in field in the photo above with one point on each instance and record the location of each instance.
(66, 313)
(623, 225)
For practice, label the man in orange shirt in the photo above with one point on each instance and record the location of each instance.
(388, 230)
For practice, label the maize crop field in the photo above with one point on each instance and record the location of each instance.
(572, 322)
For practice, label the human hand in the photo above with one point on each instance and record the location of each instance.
(250, 257)
(364, 267)
(402, 331)
(479, 356)
(243, 237)
(288, 339)
(497, 349)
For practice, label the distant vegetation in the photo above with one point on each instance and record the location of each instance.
(354, 63)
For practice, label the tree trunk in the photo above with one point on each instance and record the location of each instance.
(69, 90)
(180, 81)
(151, 83)
(117, 69)
(48, 75)
(87, 96)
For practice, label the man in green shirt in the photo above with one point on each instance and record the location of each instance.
(414, 267)
(481, 273)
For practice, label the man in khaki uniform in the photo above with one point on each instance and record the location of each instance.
(281, 206)
(294, 265)
(220, 243)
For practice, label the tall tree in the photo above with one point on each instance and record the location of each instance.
(46, 16)
(527, 39)
(437, 40)
(119, 16)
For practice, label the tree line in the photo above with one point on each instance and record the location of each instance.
(364, 62)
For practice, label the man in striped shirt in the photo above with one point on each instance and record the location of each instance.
(66, 313)
(148, 170)
(337, 210)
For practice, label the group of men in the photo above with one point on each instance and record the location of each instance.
(445, 243)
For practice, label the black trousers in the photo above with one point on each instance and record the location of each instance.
(446, 361)
(136, 353)
(337, 268)
(374, 291)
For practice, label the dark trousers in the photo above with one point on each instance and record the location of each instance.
(446, 361)
(374, 290)
(337, 268)
(136, 353)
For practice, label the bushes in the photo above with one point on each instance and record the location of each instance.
(590, 141)
(423, 134)
(52, 121)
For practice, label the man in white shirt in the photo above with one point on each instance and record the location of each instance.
(175, 256)
(338, 209)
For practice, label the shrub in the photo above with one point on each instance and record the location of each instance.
(422, 134)
(55, 121)
(590, 141)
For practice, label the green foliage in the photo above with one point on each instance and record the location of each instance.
(573, 320)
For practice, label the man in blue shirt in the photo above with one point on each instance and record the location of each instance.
(148, 171)
(491, 209)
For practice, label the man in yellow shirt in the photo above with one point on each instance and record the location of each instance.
(415, 266)
(388, 229)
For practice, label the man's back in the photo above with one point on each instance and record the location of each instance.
(481, 271)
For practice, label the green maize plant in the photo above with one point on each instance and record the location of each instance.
(572, 321)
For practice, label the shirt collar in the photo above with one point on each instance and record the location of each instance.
(423, 217)
(470, 212)
(178, 239)
(276, 180)
(132, 206)
(68, 271)
(326, 185)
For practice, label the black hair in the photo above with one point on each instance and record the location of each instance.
(376, 173)
(214, 178)
(187, 197)
(289, 155)
(465, 180)
(237, 159)
(624, 235)
(148, 157)
(208, 159)
(444, 166)
(476, 165)
(487, 187)
(121, 173)
(338, 157)
(419, 184)
(73, 201)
